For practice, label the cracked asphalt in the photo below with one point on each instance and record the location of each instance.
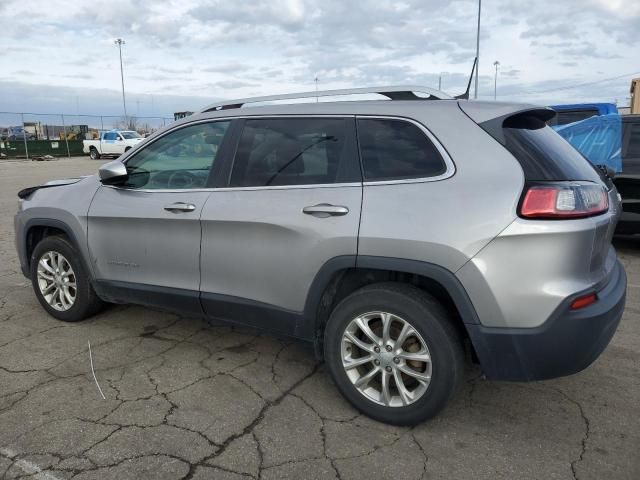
(188, 400)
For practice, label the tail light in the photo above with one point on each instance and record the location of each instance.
(564, 200)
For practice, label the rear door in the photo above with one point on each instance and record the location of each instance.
(144, 237)
(292, 203)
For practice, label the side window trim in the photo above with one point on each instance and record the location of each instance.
(450, 165)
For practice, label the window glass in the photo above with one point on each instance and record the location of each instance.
(181, 159)
(110, 136)
(395, 150)
(544, 154)
(129, 135)
(290, 151)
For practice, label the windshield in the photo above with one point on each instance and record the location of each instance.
(128, 135)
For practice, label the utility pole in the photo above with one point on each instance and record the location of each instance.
(121, 42)
(316, 80)
(495, 80)
(440, 82)
(475, 93)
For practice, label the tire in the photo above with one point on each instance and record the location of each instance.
(85, 301)
(93, 153)
(406, 304)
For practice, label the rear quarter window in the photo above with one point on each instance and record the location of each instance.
(393, 149)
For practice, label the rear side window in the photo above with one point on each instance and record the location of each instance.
(542, 153)
(395, 150)
(294, 151)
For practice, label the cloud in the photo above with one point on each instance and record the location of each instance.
(196, 47)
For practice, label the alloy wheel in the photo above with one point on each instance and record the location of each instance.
(57, 281)
(386, 359)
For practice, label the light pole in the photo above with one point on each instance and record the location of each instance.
(475, 92)
(121, 42)
(495, 80)
(316, 80)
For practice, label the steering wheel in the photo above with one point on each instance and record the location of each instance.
(181, 179)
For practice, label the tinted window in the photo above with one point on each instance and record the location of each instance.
(110, 136)
(542, 153)
(292, 151)
(178, 160)
(396, 149)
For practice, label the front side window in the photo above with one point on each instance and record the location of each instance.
(179, 160)
(110, 136)
(395, 150)
(292, 151)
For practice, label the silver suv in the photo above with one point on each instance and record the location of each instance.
(393, 234)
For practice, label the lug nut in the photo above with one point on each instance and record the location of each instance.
(388, 347)
(396, 360)
(388, 369)
(376, 349)
(377, 362)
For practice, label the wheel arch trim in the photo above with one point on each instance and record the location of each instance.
(309, 326)
(53, 223)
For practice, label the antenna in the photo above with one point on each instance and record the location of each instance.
(465, 95)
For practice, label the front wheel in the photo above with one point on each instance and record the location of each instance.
(394, 353)
(61, 282)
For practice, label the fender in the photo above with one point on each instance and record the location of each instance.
(50, 222)
(308, 327)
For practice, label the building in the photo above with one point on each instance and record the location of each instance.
(635, 95)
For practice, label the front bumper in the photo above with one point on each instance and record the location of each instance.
(568, 342)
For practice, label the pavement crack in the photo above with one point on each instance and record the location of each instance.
(587, 431)
(256, 421)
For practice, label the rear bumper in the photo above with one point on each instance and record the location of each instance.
(568, 342)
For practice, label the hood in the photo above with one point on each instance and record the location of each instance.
(24, 193)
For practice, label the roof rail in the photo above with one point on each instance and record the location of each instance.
(403, 92)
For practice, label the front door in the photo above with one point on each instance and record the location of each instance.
(292, 204)
(144, 236)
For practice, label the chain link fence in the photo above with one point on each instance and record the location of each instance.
(36, 135)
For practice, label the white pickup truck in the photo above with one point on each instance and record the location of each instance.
(113, 143)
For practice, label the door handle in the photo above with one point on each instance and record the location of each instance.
(180, 207)
(324, 210)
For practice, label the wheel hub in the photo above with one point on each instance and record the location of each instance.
(56, 281)
(386, 359)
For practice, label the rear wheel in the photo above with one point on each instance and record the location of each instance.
(394, 353)
(61, 282)
(93, 153)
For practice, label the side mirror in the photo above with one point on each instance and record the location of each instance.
(113, 173)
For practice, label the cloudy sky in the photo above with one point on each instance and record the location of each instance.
(181, 54)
